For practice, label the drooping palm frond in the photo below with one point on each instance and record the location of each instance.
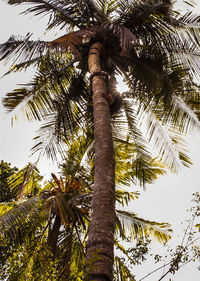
(132, 226)
(189, 22)
(20, 218)
(186, 53)
(65, 10)
(23, 66)
(125, 126)
(78, 13)
(80, 158)
(134, 162)
(26, 181)
(22, 50)
(180, 40)
(177, 119)
(46, 142)
(122, 271)
(191, 97)
(145, 75)
(93, 9)
(182, 116)
(126, 38)
(57, 134)
(133, 167)
(158, 135)
(37, 98)
(184, 46)
(124, 197)
(146, 19)
(181, 145)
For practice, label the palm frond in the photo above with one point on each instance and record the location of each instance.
(146, 19)
(92, 9)
(46, 141)
(124, 197)
(14, 222)
(26, 181)
(23, 66)
(185, 52)
(181, 145)
(36, 99)
(75, 41)
(188, 20)
(159, 137)
(183, 116)
(22, 50)
(122, 271)
(65, 10)
(6, 206)
(130, 144)
(146, 170)
(126, 38)
(134, 166)
(108, 8)
(79, 159)
(136, 227)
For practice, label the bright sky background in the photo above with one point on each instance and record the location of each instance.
(166, 200)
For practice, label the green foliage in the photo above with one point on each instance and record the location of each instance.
(44, 231)
(6, 194)
(156, 51)
(131, 226)
(26, 181)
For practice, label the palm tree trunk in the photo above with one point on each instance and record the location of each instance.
(68, 256)
(100, 244)
(53, 235)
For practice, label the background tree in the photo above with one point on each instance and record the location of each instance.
(6, 194)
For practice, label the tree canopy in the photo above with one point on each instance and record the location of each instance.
(156, 51)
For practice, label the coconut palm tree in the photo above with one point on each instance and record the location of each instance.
(156, 51)
(44, 226)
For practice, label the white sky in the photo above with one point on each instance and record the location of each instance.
(166, 200)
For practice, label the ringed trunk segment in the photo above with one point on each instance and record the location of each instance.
(100, 244)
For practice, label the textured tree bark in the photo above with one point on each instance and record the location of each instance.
(100, 244)
(53, 235)
(68, 256)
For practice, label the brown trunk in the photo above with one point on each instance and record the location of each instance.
(53, 235)
(100, 244)
(66, 271)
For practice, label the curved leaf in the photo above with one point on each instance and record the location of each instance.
(136, 227)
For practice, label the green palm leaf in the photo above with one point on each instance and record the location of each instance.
(183, 116)
(135, 227)
(22, 217)
(26, 181)
(22, 50)
(158, 134)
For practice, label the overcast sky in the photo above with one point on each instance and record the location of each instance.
(166, 200)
